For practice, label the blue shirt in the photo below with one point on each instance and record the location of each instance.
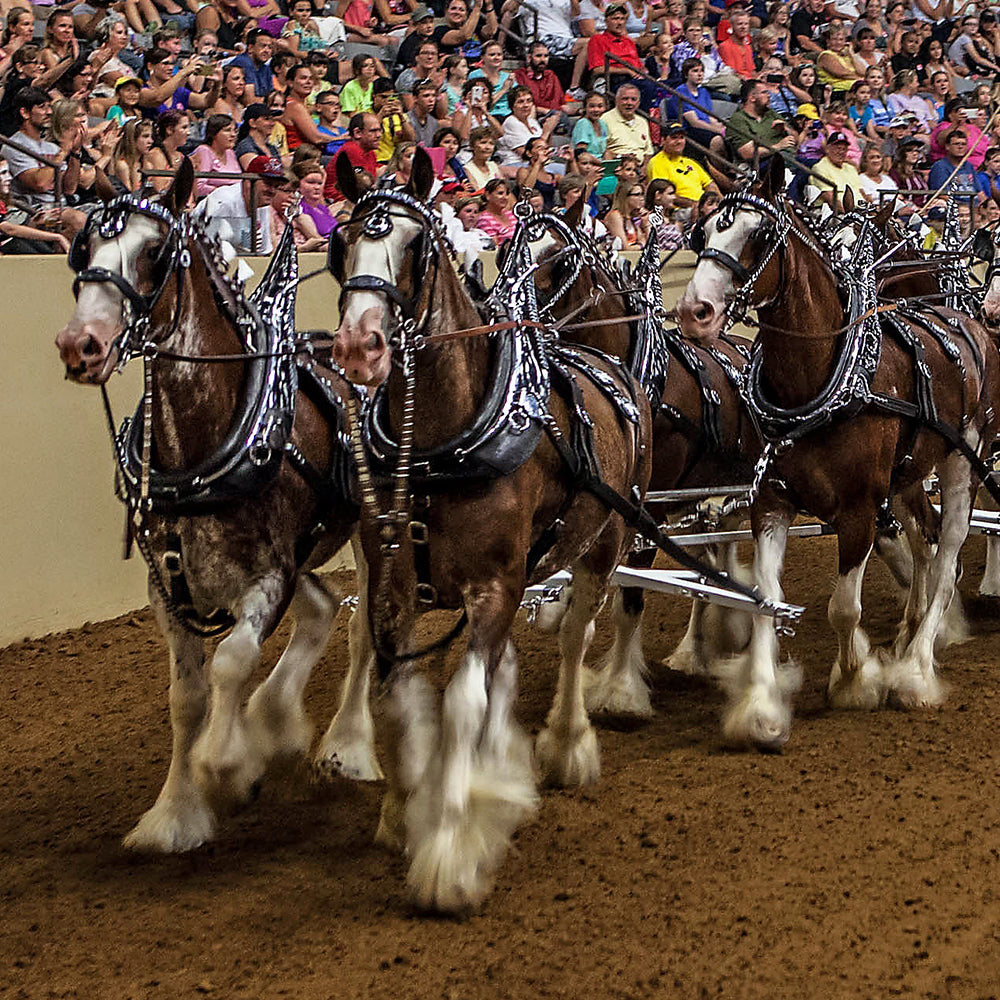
(260, 78)
(594, 142)
(965, 179)
(702, 100)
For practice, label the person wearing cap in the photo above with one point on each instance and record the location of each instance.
(954, 173)
(838, 174)
(254, 137)
(226, 210)
(256, 64)
(627, 131)
(907, 175)
(688, 176)
(127, 90)
(422, 20)
(613, 40)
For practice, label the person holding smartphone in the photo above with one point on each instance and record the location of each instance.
(472, 112)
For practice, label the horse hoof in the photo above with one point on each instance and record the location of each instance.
(171, 828)
(568, 760)
(356, 761)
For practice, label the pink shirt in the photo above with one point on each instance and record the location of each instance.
(205, 161)
(979, 142)
(498, 231)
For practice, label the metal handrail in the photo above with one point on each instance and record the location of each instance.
(758, 145)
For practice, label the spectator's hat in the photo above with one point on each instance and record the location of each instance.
(266, 166)
(122, 80)
(837, 137)
(937, 213)
(671, 128)
(421, 13)
(615, 8)
(807, 111)
(911, 142)
(987, 17)
(900, 121)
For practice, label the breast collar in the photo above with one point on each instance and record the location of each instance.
(507, 428)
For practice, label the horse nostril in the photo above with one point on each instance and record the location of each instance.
(91, 347)
(703, 312)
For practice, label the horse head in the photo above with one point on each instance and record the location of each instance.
(382, 268)
(738, 256)
(123, 258)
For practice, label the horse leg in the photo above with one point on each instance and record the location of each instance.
(688, 657)
(855, 679)
(566, 749)
(913, 680)
(989, 586)
(226, 760)
(181, 818)
(276, 718)
(468, 801)
(920, 525)
(759, 691)
(348, 746)
(619, 686)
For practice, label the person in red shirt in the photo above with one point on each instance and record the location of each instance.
(614, 41)
(736, 51)
(366, 133)
(539, 79)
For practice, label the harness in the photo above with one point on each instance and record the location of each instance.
(538, 365)
(249, 457)
(848, 390)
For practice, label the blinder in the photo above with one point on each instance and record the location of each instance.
(983, 246)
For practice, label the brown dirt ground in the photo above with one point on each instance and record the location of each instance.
(861, 862)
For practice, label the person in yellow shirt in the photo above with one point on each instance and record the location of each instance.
(838, 170)
(689, 177)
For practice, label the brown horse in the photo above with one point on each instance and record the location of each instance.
(495, 507)
(849, 407)
(702, 433)
(232, 482)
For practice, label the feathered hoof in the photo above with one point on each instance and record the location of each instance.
(617, 694)
(347, 758)
(861, 692)
(448, 874)
(568, 760)
(909, 687)
(761, 716)
(954, 626)
(172, 827)
(686, 659)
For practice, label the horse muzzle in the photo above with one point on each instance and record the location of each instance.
(362, 350)
(699, 319)
(86, 352)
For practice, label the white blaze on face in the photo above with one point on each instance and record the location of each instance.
(702, 307)
(101, 302)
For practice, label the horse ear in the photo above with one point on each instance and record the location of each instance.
(848, 200)
(176, 197)
(886, 212)
(336, 254)
(421, 175)
(574, 215)
(774, 179)
(103, 186)
(346, 180)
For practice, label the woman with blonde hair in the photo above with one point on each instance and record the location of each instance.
(127, 160)
(628, 219)
(397, 170)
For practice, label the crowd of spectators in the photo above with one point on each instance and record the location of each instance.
(634, 108)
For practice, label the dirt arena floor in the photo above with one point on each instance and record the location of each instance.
(862, 862)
